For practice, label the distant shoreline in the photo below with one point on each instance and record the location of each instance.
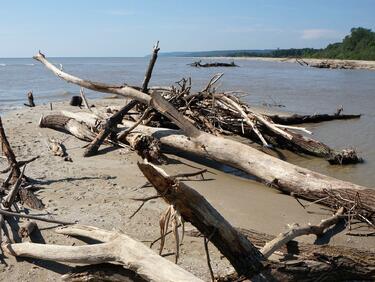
(354, 64)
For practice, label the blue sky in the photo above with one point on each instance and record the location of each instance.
(130, 28)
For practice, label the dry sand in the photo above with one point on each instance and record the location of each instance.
(97, 191)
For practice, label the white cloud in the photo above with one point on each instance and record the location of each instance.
(312, 34)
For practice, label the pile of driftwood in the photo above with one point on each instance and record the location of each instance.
(328, 64)
(199, 123)
(199, 64)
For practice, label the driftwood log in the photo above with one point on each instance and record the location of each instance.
(315, 118)
(286, 177)
(145, 145)
(30, 99)
(241, 253)
(199, 64)
(116, 248)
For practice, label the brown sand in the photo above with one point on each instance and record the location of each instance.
(356, 64)
(97, 191)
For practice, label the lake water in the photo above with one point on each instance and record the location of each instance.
(301, 89)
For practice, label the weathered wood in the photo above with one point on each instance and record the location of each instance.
(296, 231)
(116, 248)
(146, 146)
(67, 125)
(210, 65)
(244, 257)
(364, 258)
(195, 209)
(28, 198)
(9, 199)
(30, 99)
(8, 153)
(76, 101)
(27, 228)
(112, 122)
(286, 177)
(16, 214)
(103, 272)
(315, 118)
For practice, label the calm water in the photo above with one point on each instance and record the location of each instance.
(300, 89)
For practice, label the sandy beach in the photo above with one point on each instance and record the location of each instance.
(356, 64)
(97, 191)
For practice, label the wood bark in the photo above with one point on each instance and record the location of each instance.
(30, 99)
(27, 228)
(192, 206)
(145, 145)
(249, 262)
(116, 248)
(315, 118)
(8, 153)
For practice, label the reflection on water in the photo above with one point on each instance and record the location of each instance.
(300, 89)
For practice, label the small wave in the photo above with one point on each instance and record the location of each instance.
(29, 64)
(3, 65)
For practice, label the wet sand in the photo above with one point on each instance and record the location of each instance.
(97, 191)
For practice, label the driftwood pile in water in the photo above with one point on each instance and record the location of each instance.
(225, 114)
(199, 64)
(205, 119)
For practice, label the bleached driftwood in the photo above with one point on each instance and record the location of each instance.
(295, 231)
(116, 248)
(241, 253)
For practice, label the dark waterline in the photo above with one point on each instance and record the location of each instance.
(300, 89)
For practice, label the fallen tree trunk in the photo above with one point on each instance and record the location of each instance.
(284, 176)
(281, 175)
(145, 145)
(242, 254)
(116, 248)
(315, 118)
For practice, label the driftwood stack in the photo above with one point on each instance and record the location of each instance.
(209, 124)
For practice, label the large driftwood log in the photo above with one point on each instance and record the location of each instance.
(192, 206)
(116, 248)
(242, 254)
(145, 145)
(286, 177)
(315, 118)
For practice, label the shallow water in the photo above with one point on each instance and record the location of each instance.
(300, 89)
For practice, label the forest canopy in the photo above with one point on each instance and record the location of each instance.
(358, 45)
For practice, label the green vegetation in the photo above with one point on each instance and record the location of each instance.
(358, 45)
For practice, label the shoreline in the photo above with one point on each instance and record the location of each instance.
(355, 64)
(98, 192)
